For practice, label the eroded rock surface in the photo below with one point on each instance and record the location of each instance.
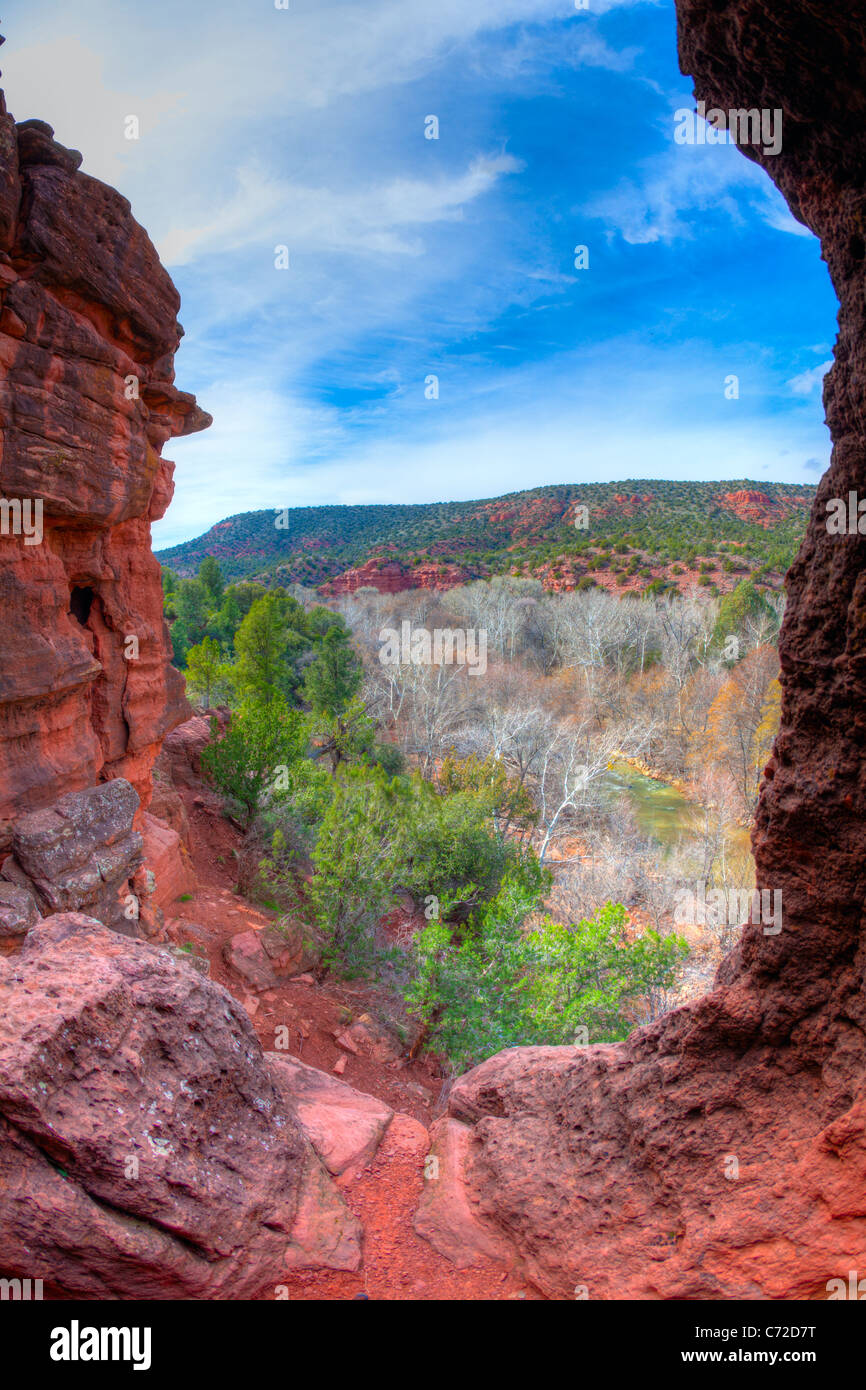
(344, 1126)
(82, 854)
(88, 332)
(721, 1152)
(146, 1149)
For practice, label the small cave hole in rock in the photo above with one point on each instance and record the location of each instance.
(80, 603)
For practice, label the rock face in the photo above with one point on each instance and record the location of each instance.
(721, 1153)
(344, 1126)
(88, 332)
(392, 577)
(377, 1038)
(19, 911)
(167, 861)
(146, 1148)
(82, 854)
(278, 952)
(183, 747)
(750, 505)
(445, 1215)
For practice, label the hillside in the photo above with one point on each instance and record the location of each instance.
(631, 534)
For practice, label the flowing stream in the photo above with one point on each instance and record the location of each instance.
(659, 809)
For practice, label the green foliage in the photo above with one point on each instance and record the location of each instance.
(453, 853)
(334, 675)
(254, 757)
(659, 586)
(268, 644)
(191, 603)
(736, 607)
(358, 859)
(681, 520)
(506, 986)
(179, 639)
(380, 835)
(347, 736)
(211, 577)
(206, 673)
(320, 619)
(503, 797)
(389, 757)
(228, 617)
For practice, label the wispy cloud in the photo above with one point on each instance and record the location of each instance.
(811, 381)
(361, 220)
(672, 193)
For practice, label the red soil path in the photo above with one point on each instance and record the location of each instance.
(397, 1263)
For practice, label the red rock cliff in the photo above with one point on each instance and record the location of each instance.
(721, 1152)
(88, 332)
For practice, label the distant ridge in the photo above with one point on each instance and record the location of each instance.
(755, 526)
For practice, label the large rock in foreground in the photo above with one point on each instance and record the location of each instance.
(671, 1166)
(146, 1150)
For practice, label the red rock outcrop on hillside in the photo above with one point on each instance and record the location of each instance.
(756, 506)
(524, 517)
(721, 1152)
(88, 332)
(394, 578)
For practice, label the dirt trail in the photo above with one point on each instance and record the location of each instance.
(383, 1195)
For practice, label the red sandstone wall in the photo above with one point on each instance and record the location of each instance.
(84, 306)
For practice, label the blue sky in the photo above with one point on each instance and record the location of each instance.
(409, 257)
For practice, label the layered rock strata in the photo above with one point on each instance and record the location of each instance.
(88, 332)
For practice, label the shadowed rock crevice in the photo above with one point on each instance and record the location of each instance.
(80, 603)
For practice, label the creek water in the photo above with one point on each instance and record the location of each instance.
(659, 809)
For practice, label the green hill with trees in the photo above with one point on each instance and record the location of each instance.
(640, 529)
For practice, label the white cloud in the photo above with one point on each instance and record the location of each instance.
(219, 75)
(777, 214)
(681, 183)
(304, 127)
(808, 382)
(359, 220)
